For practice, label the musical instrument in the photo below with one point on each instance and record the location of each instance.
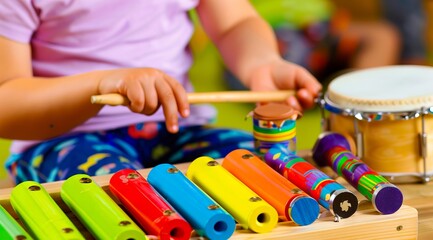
(97, 211)
(10, 229)
(330, 194)
(248, 209)
(204, 214)
(333, 150)
(40, 214)
(388, 112)
(403, 224)
(274, 123)
(291, 203)
(148, 208)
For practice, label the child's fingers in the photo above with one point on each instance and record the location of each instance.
(168, 102)
(151, 97)
(305, 98)
(293, 102)
(136, 96)
(305, 80)
(180, 96)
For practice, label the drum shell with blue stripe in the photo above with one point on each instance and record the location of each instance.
(274, 123)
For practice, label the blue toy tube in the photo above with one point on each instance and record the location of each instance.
(202, 212)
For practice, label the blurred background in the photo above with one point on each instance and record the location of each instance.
(328, 37)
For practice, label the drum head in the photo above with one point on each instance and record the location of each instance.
(383, 89)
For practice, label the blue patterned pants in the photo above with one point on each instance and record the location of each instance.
(137, 146)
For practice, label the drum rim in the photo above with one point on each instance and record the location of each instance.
(327, 104)
(371, 104)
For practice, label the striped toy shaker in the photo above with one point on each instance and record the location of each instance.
(274, 123)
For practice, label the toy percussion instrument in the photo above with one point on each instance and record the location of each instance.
(274, 123)
(10, 229)
(330, 194)
(291, 203)
(247, 208)
(332, 149)
(388, 112)
(97, 211)
(40, 214)
(148, 208)
(365, 223)
(202, 212)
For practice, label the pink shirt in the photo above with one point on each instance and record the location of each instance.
(75, 36)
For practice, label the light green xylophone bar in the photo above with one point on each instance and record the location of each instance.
(97, 211)
(10, 229)
(40, 214)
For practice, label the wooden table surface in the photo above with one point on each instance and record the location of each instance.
(420, 196)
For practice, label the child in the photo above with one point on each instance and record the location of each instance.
(56, 54)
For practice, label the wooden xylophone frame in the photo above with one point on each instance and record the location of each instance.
(366, 223)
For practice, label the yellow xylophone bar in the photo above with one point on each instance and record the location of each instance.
(247, 208)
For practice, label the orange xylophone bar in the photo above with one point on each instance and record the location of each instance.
(150, 210)
(290, 202)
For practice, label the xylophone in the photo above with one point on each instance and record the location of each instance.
(366, 222)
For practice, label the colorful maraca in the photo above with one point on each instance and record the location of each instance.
(329, 193)
(333, 149)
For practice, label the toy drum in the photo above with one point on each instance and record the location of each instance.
(274, 123)
(388, 113)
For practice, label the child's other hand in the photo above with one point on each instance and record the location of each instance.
(147, 89)
(283, 75)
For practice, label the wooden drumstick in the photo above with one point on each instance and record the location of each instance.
(115, 99)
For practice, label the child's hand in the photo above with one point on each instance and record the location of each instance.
(147, 89)
(283, 75)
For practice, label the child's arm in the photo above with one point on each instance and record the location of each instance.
(38, 108)
(249, 48)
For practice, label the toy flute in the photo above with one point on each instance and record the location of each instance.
(330, 194)
(203, 213)
(290, 202)
(40, 214)
(10, 229)
(333, 149)
(97, 211)
(145, 204)
(247, 208)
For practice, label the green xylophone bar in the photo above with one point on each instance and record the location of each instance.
(40, 214)
(97, 211)
(10, 229)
